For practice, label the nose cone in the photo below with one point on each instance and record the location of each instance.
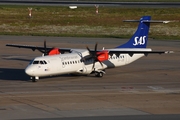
(29, 71)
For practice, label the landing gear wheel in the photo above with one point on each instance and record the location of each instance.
(34, 79)
(99, 74)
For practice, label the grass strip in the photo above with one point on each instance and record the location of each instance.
(84, 22)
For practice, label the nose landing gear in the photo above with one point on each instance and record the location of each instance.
(34, 79)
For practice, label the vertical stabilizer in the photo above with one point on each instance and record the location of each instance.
(140, 37)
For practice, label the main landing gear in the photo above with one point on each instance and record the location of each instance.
(34, 79)
(99, 74)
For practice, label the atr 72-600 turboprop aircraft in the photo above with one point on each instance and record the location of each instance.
(57, 61)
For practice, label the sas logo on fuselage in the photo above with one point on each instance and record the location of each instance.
(139, 40)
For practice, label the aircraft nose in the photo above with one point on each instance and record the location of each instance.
(29, 71)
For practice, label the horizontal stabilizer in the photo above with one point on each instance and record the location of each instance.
(167, 52)
(148, 21)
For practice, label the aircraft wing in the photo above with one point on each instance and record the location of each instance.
(131, 52)
(39, 48)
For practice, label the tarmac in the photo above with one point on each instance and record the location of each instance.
(148, 87)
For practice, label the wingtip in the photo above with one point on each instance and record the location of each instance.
(168, 52)
(8, 44)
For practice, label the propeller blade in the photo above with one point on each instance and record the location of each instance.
(93, 64)
(44, 43)
(95, 49)
(88, 49)
(45, 49)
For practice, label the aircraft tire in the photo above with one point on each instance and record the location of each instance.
(99, 74)
(34, 79)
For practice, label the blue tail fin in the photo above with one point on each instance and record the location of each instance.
(140, 37)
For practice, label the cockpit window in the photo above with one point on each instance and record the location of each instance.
(45, 62)
(31, 61)
(36, 62)
(41, 62)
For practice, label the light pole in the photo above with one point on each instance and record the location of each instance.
(30, 12)
(97, 6)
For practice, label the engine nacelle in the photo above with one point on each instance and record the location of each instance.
(54, 51)
(102, 56)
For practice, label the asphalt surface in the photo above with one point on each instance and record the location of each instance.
(91, 3)
(146, 89)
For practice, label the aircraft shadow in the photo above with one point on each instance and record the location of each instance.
(19, 75)
(13, 74)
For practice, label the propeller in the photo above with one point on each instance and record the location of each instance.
(51, 51)
(45, 51)
(94, 55)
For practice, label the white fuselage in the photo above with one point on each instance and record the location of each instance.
(74, 63)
